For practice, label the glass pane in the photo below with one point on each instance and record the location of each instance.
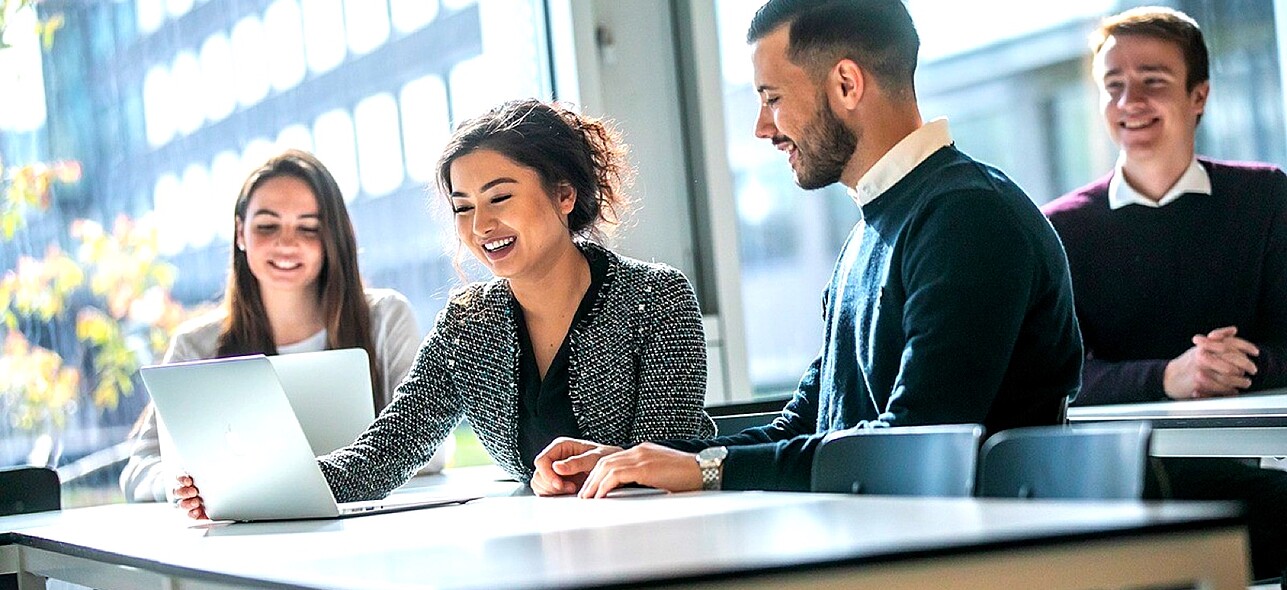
(146, 145)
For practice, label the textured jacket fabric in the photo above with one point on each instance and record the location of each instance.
(394, 332)
(637, 371)
(1147, 279)
(950, 303)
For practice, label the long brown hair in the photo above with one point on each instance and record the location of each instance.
(344, 309)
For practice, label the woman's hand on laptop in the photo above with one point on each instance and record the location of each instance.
(189, 497)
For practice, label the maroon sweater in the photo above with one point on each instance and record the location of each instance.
(1145, 280)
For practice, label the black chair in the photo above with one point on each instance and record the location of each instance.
(1096, 461)
(907, 461)
(24, 490)
(28, 489)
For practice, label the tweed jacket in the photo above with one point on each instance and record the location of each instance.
(636, 372)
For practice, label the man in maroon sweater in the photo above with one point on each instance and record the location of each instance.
(1179, 263)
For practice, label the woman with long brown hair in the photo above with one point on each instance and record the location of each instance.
(294, 286)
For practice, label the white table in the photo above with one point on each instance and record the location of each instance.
(1252, 425)
(713, 539)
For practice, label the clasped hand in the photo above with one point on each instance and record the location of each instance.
(591, 470)
(1219, 364)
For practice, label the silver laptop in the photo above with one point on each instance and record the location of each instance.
(238, 436)
(330, 392)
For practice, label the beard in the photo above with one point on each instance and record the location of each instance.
(824, 149)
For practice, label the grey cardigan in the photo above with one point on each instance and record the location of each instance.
(636, 372)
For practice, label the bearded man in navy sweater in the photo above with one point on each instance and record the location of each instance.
(1179, 262)
(950, 302)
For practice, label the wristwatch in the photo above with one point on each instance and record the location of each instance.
(711, 461)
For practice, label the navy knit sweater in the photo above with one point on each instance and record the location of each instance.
(950, 303)
(1148, 279)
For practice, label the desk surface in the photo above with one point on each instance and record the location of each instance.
(530, 542)
(1251, 425)
(1268, 408)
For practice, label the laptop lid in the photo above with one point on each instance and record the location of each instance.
(236, 431)
(330, 392)
(239, 439)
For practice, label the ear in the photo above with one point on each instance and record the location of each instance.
(236, 238)
(845, 84)
(565, 197)
(1198, 96)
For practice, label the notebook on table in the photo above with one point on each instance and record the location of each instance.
(237, 433)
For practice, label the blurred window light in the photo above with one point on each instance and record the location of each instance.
(366, 23)
(324, 44)
(426, 125)
(250, 54)
(149, 15)
(333, 135)
(379, 144)
(158, 106)
(283, 26)
(410, 15)
(218, 78)
(186, 86)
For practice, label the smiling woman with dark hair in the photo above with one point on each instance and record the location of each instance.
(568, 339)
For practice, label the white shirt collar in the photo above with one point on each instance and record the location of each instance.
(1121, 193)
(907, 154)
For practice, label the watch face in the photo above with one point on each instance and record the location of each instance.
(712, 454)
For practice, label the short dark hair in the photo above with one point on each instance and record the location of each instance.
(1166, 24)
(878, 35)
(561, 146)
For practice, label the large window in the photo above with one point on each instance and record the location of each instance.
(155, 130)
(1012, 77)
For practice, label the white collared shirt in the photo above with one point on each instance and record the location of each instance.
(907, 154)
(1121, 193)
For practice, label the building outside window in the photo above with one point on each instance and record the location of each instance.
(165, 106)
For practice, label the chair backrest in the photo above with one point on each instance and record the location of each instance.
(735, 423)
(906, 461)
(28, 489)
(1095, 461)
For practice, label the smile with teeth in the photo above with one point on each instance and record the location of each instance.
(1138, 124)
(495, 245)
(285, 265)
